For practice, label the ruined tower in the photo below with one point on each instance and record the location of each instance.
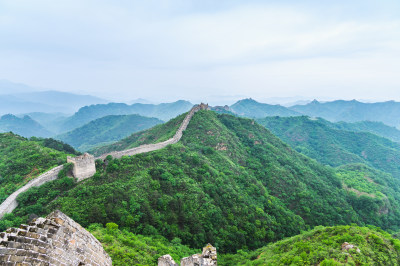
(84, 166)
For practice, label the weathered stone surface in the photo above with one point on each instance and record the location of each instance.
(67, 244)
(207, 258)
(84, 166)
(166, 260)
(346, 247)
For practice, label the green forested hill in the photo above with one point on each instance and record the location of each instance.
(24, 126)
(229, 181)
(21, 160)
(334, 147)
(325, 246)
(106, 129)
(377, 128)
(163, 111)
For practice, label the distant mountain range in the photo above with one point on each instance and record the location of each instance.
(45, 101)
(16, 98)
(353, 111)
(163, 111)
(106, 130)
(253, 109)
(335, 111)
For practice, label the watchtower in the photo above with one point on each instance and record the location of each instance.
(84, 166)
(204, 106)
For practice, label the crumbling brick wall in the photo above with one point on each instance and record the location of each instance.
(54, 240)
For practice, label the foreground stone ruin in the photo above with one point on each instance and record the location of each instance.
(207, 258)
(54, 240)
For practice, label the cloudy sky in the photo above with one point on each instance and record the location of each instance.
(198, 50)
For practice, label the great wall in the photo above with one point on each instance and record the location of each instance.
(58, 240)
(84, 165)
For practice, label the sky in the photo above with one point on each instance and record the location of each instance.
(204, 50)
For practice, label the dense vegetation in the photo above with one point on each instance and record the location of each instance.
(22, 160)
(106, 130)
(377, 128)
(126, 248)
(334, 147)
(56, 145)
(253, 109)
(229, 182)
(372, 193)
(323, 246)
(25, 126)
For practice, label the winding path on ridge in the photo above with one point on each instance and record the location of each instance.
(11, 202)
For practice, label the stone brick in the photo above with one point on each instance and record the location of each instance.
(21, 249)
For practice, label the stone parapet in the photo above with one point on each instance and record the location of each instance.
(11, 202)
(54, 240)
(156, 146)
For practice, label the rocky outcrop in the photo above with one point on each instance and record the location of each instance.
(207, 258)
(54, 240)
(166, 260)
(11, 202)
(346, 247)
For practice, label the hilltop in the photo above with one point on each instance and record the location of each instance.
(338, 245)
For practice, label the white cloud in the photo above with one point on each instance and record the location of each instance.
(174, 48)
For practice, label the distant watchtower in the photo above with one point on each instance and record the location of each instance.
(204, 106)
(84, 166)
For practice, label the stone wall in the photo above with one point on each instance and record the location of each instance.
(152, 147)
(11, 202)
(84, 166)
(54, 240)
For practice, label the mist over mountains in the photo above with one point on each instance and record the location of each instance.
(18, 98)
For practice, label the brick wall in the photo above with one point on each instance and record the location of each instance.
(54, 240)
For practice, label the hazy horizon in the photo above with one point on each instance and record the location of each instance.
(163, 51)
